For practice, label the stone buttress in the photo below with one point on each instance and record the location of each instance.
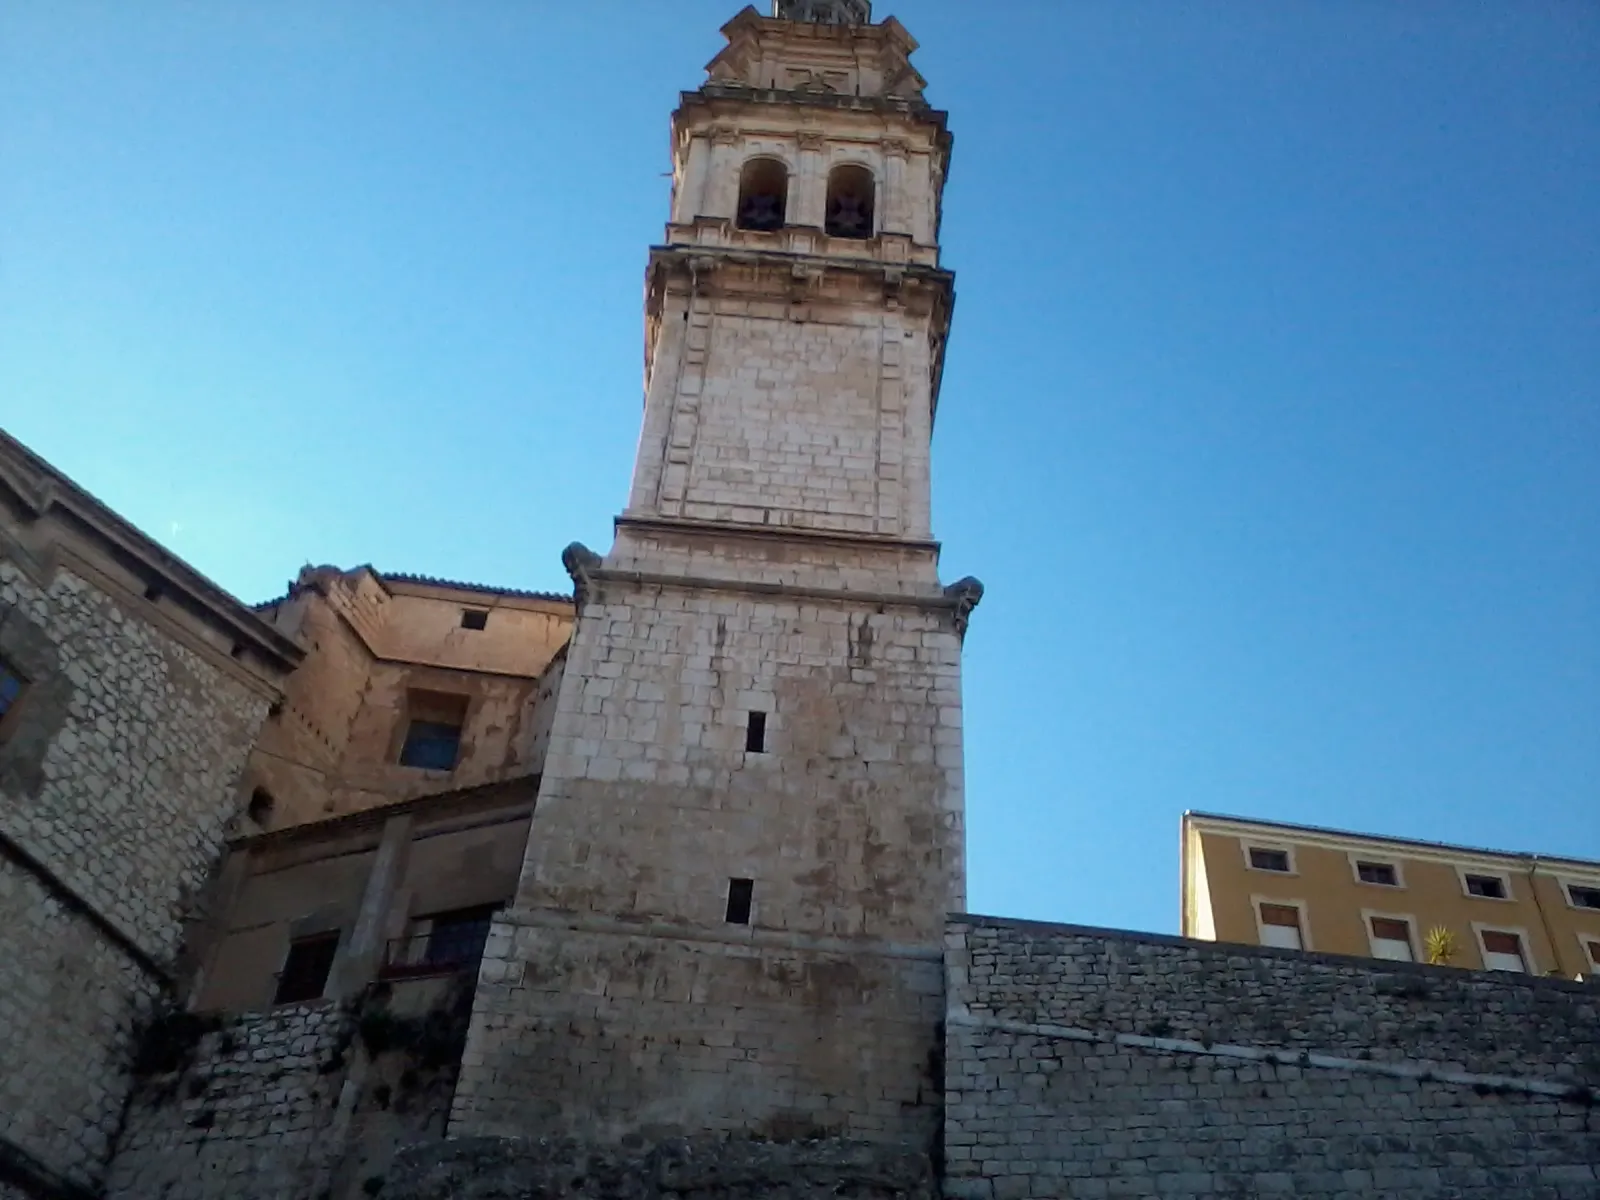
(749, 829)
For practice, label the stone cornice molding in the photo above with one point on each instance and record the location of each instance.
(41, 494)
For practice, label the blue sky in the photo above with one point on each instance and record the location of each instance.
(1270, 418)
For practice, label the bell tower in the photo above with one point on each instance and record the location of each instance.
(750, 823)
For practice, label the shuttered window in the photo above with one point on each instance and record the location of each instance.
(1503, 951)
(1280, 926)
(1391, 939)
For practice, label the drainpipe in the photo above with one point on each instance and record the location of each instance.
(1544, 918)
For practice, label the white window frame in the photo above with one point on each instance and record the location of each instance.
(1488, 872)
(1300, 907)
(1568, 883)
(1284, 847)
(1377, 860)
(1411, 930)
(1592, 957)
(1479, 928)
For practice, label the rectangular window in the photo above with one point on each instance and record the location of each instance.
(740, 894)
(474, 618)
(1264, 859)
(755, 734)
(1391, 939)
(11, 685)
(433, 731)
(1502, 951)
(1378, 872)
(305, 970)
(1490, 887)
(1280, 926)
(1584, 897)
(1593, 947)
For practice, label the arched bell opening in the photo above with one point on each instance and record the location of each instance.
(763, 195)
(851, 193)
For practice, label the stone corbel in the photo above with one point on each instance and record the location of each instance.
(964, 594)
(894, 147)
(581, 563)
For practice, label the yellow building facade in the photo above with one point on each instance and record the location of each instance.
(1301, 887)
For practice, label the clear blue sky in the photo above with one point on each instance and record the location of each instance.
(1271, 414)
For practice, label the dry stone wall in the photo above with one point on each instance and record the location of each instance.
(1090, 1063)
(67, 1002)
(117, 779)
(249, 1109)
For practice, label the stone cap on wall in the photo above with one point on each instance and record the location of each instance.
(42, 495)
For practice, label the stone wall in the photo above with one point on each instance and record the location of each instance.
(118, 777)
(248, 1107)
(1093, 1063)
(67, 999)
(617, 997)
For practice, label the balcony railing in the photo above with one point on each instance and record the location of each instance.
(454, 944)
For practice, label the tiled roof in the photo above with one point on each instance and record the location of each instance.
(433, 581)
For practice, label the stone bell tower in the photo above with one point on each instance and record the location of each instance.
(749, 828)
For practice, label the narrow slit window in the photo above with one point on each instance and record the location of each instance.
(755, 734)
(740, 894)
(474, 618)
(1594, 953)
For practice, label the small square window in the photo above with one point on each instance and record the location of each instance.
(12, 684)
(1263, 858)
(1490, 887)
(1502, 951)
(1378, 872)
(741, 892)
(1584, 897)
(431, 745)
(1593, 947)
(433, 731)
(474, 618)
(305, 970)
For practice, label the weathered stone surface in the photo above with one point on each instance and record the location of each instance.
(1093, 1063)
(489, 1168)
(117, 781)
(251, 1110)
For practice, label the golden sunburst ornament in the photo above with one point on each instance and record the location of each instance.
(1440, 945)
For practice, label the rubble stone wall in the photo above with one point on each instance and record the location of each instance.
(252, 1112)
(118, 777)
(66, 1012)
(1096, 1063)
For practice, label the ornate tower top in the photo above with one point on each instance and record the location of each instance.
(824, 12)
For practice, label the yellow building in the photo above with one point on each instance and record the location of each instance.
(1300, 887)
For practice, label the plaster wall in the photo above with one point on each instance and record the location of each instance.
(1336, 906)
(334, 747)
